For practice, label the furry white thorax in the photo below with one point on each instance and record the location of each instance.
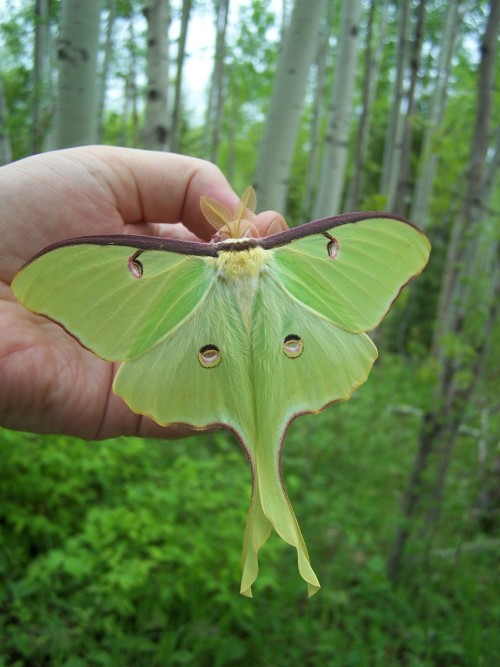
(241, 271)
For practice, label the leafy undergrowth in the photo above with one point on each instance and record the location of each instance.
(127, 552)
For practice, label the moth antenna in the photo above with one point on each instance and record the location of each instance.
(246, 207)
(216, 213)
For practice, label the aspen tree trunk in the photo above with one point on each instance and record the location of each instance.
(469, 308)
(215, 106)
(156, 130)
(446, 314)
(334, 161)
(76, 117)
(285, 15)
(394, 131)
(285, 108)
(398, 198)
(493, 168)
(132, 85)
(181, 53)
(41, 75)
(319, 93)
(373, 59)
(103, 79)
(129, 126)
(428, 160)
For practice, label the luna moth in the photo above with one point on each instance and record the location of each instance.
(246, 333)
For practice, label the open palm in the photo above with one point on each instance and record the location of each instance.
(48, 382)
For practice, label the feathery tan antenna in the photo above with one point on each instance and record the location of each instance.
(246, 206)
(223, 219)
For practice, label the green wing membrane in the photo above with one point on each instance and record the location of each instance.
(256, 390)
(169, 384)
(288, 336)
(332, 364)
(373, 260)
(91, 290)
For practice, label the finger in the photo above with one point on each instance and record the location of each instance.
(176, 231)
(269, 222)
(97, 190)
(152, 186)
(263, 224)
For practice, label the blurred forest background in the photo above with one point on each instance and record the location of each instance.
(127, 552)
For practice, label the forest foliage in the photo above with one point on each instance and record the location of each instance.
(127, 551)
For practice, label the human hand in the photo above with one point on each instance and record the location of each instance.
(48, 382)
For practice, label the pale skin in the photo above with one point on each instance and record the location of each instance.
(48, 382)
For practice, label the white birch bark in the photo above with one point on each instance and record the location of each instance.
(76, 117)
(156, 130)
(428, 160)
(287, 100)
(336, 143)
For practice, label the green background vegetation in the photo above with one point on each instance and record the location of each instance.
(127, 552)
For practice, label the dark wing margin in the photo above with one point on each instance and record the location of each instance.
(136, 242)
(141, 242)
(325, 224)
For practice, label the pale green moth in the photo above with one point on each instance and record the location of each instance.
(244, 333)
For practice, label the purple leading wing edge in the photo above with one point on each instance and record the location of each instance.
(323, 225)
(140, 242)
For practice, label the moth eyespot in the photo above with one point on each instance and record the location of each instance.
(209, 356)
(332, 248)
(134, 266)
(293, 346)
